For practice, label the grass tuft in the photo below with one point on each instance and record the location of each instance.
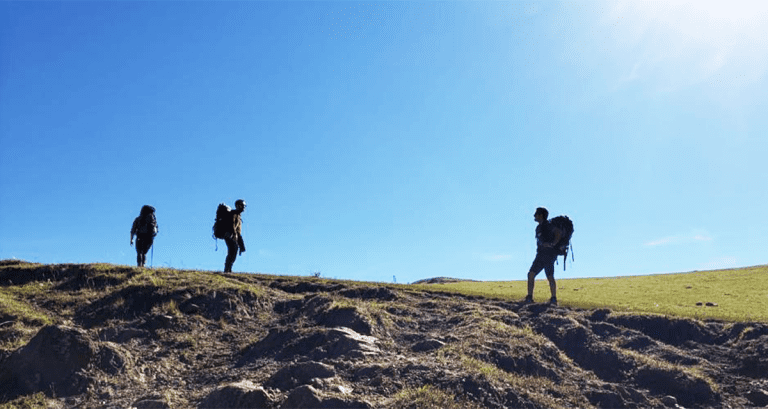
(428, 397)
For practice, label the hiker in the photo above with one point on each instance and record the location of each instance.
(547, 237)
(145, 229)
(233, 235)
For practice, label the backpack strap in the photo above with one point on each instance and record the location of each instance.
(565, 258)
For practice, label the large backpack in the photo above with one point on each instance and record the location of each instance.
(565, 225)
(147, 221)
(223, 223)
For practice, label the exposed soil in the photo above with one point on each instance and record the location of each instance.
(285, 342)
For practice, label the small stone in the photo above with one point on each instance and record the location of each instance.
(669, 401)
(427, 345)
(758, 397)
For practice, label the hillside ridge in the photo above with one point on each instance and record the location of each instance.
(100, 335)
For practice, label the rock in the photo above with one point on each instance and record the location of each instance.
(529, 363)
(367, 373)
(52, 362)
(637, 342)
(758, 397)
(122, 335)
(189, 308)
(688, 390)
(316, 345)
(581, 345)
(158, 321)
(605, 330)
(427, 345)
(711, 304)
(674, 331)
(299, 374)
(345, 342)
(306, 397)
(243, 394)
(345, 317)
(132, 301)
(605, 399)
(276, 341)
(112, 358)
(151, 403)
(376, 293)
(599, 314)
(669, 401)
(306, 287)
(752, 357)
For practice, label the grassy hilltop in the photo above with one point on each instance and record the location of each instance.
(733, 295)
(107, 336)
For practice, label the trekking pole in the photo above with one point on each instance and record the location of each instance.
(152, 257)
(565, 259)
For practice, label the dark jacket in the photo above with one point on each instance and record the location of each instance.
(237, 225)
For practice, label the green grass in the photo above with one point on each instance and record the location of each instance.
(35, 401)
(740, 294)
(11, 305)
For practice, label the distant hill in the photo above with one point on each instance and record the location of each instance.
(440, 280)
(108, 336)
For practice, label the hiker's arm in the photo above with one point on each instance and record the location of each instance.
(134, 229)
(241, 243)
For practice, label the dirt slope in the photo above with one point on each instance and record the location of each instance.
(121, 337)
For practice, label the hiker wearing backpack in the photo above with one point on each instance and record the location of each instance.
(547, 242)
(228, 226)
(145, 229)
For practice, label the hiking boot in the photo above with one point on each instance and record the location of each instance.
(553, 301)
(528, 299)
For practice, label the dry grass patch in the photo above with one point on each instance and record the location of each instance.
(428, 397)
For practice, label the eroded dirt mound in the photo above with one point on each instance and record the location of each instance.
(175, 339)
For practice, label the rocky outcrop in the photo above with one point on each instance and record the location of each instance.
(158, 339)
(238, 395)
(57, 360)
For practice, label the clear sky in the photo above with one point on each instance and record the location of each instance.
(383, 140)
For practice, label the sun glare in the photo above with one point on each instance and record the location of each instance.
(701, 18)
(683, 42)
(734, 11)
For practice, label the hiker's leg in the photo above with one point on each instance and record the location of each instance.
(552, 286)
(536, 268)
(139, 246)
(549, 270)
(142, 247)
(231, 255)
(531, 281)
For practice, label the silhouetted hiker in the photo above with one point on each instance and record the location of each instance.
(228, 226)
(145, 229)
(547, 236)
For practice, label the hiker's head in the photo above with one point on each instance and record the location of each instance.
(240, 205)
(146, 209)
(540, 211)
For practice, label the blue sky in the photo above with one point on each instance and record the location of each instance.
(383, 140)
